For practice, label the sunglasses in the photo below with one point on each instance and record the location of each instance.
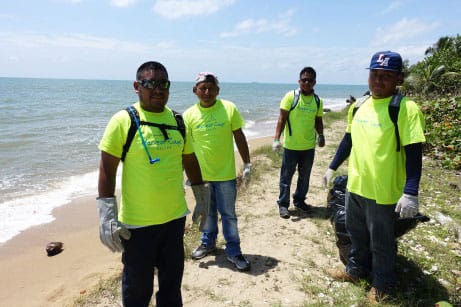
(151, 84)
(310, 80)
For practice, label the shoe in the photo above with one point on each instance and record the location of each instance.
(303, 207)
(342, 275)
(283, 211)
(240, 262)
(376, 296)
(202, 251)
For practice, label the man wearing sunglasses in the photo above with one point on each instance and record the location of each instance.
(299, 126)
(149, 228)
(215, 124)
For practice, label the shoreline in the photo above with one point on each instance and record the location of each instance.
(31, 278)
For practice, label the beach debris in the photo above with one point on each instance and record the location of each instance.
(351, 99)
(54, 248)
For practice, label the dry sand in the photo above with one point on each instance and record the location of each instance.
(282, 251)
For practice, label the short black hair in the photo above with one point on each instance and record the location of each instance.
(151, 65)
(308, 70)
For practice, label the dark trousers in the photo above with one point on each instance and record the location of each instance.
(373, 251)
(161, 247)
(303, 159)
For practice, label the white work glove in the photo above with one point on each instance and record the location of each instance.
(202, 196)
(407, 206)
(276, 146)
(110, 229)
(327, 177)
(246, 173)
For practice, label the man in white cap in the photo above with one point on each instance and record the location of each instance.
(214, 125)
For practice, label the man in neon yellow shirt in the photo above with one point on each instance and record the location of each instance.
(299, 126)
(149, 228)
(215, 124)
(382, 180)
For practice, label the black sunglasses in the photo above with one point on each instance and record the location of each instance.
(151, 84)
(310, 80)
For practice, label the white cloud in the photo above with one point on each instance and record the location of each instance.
(402, 31)
(122, 3)
(6, 17)
(9, 40)
(71, 1)
(175, 9)
(392, 7)
(281, 25)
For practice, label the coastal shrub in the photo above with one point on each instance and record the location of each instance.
(443, 130)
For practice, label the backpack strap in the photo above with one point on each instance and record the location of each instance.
(134, 115)
(359, 103)
(317, 100)
(296, 94)
(180, 123)
(393, 109)
(131, 132)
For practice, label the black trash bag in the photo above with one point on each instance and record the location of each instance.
(336, 201)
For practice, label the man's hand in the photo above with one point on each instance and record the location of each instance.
(327, 177)
(321, 140)
(246, 173)
(110, 229)
(276, 146)
(202, 204)
(407, 206)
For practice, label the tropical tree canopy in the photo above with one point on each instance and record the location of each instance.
(440, 71)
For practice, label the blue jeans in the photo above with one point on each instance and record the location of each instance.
(223, 196)
(373, 249)
(159, 246)
(292, 158)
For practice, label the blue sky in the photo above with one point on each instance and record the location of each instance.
(239, 40)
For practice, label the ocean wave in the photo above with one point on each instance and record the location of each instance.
(21, 213)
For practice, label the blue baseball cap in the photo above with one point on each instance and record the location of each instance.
(386, 60)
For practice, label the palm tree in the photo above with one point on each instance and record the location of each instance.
(440, 71)
(443, 43)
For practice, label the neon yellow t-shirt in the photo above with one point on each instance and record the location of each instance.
(152, 194)
(211, 129)
(302, 121)
(376, 170)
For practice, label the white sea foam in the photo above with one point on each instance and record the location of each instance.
(21, 213)
(57, 138)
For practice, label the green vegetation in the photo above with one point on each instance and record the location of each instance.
(443, 130)
(435, 82)
(440, 71)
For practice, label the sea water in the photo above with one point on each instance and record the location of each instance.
(50, 130)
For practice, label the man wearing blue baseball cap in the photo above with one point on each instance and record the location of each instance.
(383, 180)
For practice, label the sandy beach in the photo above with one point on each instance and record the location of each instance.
(31, 278)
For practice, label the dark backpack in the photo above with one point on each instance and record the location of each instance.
(163, 127)
(297, 92)
(394, 108)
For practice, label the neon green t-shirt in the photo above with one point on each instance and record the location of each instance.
(211, 129)
(302, 121)
(152, 194)
(376, 170)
